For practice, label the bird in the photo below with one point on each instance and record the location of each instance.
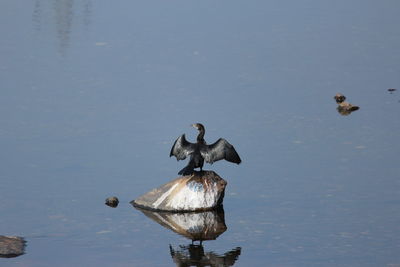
(344, 108)
(339, 98)
(200, 151)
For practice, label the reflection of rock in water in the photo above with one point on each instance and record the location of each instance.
(196, 226)
(194, 255)
(207, 225)
(11, 246)
(199, 191)
(344, 108)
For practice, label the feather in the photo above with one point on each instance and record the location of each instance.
(220, 150)
(182, 148)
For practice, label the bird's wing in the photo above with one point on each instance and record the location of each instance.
(220, 150)
(181, 148)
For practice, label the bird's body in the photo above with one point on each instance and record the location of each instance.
(200, 151)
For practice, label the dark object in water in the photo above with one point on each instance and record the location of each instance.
(200, 151)
(198, 192)
(11, 246)
(391, 90)
(112, 202)
(344, 108)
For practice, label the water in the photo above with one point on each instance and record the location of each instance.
(94, 93)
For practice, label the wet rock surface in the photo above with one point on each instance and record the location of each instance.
(200, 191)
(11, 246)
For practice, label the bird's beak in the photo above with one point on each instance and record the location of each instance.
(192, 125)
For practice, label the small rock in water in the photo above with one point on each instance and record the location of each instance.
(197, 192)
(112, 202)
(11, 246)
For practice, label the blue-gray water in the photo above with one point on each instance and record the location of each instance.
(94, 93)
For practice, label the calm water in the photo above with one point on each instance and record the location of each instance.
(94, 93)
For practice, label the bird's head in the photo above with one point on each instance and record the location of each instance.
(198, 126)
(339, 98)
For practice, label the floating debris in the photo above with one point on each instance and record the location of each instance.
(344, 108)
(197, 192)
(112, 202)
(391, 90)
(11, 246)
(103, 232)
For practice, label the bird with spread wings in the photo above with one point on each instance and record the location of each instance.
(200, 151)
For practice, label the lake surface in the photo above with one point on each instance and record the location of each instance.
(94, 93)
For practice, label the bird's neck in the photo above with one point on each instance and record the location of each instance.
(200, 137)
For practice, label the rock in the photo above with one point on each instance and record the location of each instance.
(200, 191)
(11, 246)
(196, 226)
(112, 202)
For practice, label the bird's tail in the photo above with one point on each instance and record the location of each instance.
(188, 170)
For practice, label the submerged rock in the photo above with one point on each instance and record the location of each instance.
(196, 226)
(11, 246)
(197, 192)
(112, 202)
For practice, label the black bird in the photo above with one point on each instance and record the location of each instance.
(200, 151)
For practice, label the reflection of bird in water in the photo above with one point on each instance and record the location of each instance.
(344, 108)
(194, 255)
(200, 151)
